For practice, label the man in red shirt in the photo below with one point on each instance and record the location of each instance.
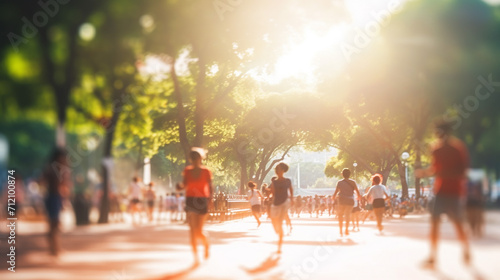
(450, 161)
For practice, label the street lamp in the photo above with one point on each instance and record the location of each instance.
(355, 164)
(405, 156)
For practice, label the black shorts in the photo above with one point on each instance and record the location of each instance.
(151, 203)
(452, 206)
(356, 209)
(134, 200)
(256, 208)
(198, 205)
(379, 203)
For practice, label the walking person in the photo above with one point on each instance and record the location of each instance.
(199, 191)
(450, 160)
(255, 197)
(345, 192)
(58, 183)
(135, 193)
(377, 194)
(355, 214)
(150, 196)
(282, 192)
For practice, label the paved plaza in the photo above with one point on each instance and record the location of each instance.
(240, 250)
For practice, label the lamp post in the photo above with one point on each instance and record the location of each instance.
(405, 156)
(147, 171)
(355, 164)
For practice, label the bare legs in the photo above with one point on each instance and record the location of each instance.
(53, 236)
(196, 222)
(355, 221)
(379, 212)
(288, 223)
(257, 217)
(462, 237)
(344, 210)
(281, 213)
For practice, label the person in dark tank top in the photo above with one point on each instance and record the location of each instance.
(280, 189)
(345, 193)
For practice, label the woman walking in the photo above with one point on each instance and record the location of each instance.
(345, 192)
(280, 189)
(376, 193)
(198, 185)
(255, 197)
(150, 196)
(58, 184)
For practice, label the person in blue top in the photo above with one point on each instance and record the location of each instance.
(57, 180)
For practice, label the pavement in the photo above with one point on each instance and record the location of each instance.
(240, 250)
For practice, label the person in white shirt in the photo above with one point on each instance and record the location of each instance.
(378, 193)
(255, 197)
(181, 204)
(135, 193)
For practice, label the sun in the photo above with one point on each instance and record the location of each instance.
(302, 56)
(298, 59)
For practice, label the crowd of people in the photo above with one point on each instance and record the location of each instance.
(144, 203)
(194, 199)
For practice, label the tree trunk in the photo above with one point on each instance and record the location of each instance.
(199, 113)
(243, 175)
(385, 175)
(181, 115)
(108, 147)
(418, 163)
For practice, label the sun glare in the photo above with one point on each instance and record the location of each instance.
(157, 68)
(300, 58)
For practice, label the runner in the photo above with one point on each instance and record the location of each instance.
(298, 205)
(329, 202)
(345, 192)
(150, 196)
(376, 194)
(58, 184)
(198, 185)
(135, 192)
(255, 197)
(280, 189)
(355, 214)
(450, 160)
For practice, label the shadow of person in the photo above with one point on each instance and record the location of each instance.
(267, 264)
(476, 274)
(179, 274)
(437, 273)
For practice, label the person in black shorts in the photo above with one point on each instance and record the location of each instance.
(450, 161)
(255, 198)
(198, 185)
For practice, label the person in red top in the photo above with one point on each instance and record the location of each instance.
(450, 161)
(198, 185)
